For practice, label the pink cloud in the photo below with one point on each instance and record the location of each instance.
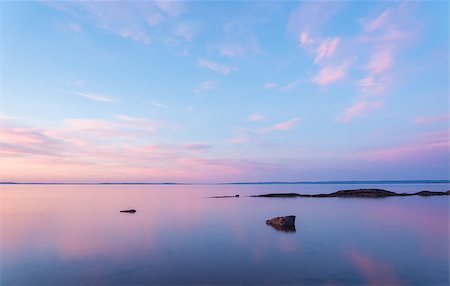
(357, 109)
(367, 82)
(290, 86)
(204, 86)
(74, 27)
(310, 16)
(377, 22)
(256, 117)
(74, 152)
(381, 61)
(186, 30)
(286, 125)
(95, 96)
(88, 124)
(304, 39)
(270, 85)
(330, 74)
(326, 49)
(431, 119)
(196, 146)
(213, 66)
(373, 84)
(425, 148)
(231, 50)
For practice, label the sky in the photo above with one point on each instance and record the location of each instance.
(224, 91)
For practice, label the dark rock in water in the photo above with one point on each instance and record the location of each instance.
(279, 195)
(429, 193)
(223, 197)
(290, 228)
(128, 211)
(368, 193)
(359, 193)
(283, 223)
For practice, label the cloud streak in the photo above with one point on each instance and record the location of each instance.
(216, 67)
(95, 96)
(205, 86)
(330, 74)
(282, 126)
(326, 49)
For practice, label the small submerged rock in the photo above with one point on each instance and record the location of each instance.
(128, 211)
(283, 223)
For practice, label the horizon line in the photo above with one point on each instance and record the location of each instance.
(425, 181)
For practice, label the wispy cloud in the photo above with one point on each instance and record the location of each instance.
(131, 20)
(173, 8)
(204, 86)
(326, 49)
(431, 119)
(373, 84)
(285, 125)
(197, 146)
(373, 24)
(330, 74)
(304, 39)
(270, 85)
(230, 49)
(86, 157)
(214, 66)
(242, 135)
(423, 148)
(381, 60)
(158, 104)
(357, 109)
(186, 30)
(238, 39)
(290, 85)
(256, 117)
(74, 27)
(309, 17)
(386, 34)
(95, 96)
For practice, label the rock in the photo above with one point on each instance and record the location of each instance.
(368, 193)
(284, 223)
(223, 197)
(129, 211)
(279, 195)
(359, 193)
(429, 193)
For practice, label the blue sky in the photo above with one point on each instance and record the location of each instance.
(224, 91)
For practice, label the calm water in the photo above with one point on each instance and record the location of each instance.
(67, 234)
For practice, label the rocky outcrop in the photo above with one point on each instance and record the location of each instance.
(359, 193)
(367, 193)
(222, 197)
(283, 223)
(280, 195)
(129, 211)
(428, 193)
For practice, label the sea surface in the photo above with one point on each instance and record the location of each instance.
(75, 235)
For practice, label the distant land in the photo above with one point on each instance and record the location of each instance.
(246, 183)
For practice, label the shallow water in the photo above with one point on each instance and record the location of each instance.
(75, 234)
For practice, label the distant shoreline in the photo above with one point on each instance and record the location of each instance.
(384, 182)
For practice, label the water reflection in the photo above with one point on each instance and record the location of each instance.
(375, 272)
(283, 228)
(51, 235)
